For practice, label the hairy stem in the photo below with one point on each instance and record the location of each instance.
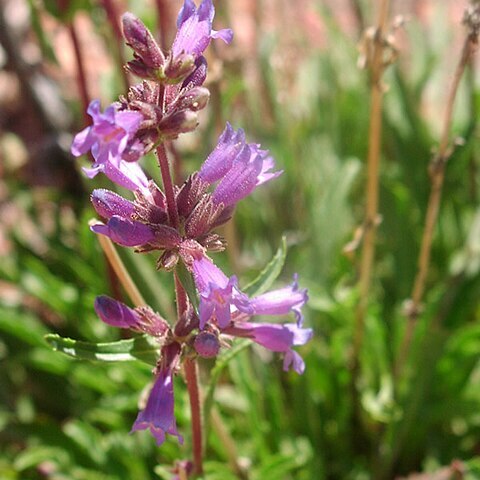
(119, 269)
(167, 185)
(191, 376)
(437, 176)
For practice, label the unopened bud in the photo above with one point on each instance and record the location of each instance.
(178, 122)
(194, 99)
(141, 41)
(206, 344)
(107, 204)
(179, 67)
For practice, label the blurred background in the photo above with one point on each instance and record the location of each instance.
(292, 79)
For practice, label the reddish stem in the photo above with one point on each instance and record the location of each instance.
(81, 74)
(191, 376)
(168, 185)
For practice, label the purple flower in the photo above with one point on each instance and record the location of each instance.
(220, 296)
(281, 301)
(219, 162)
(195, 29)
(218, 293)
(107, 204)
(158, 414)
(278, 338)
(239, 166)
(141, 319)
(125, 232)
(110, 138)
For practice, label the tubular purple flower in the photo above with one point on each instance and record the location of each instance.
(110, 138)
(281, 301)
(125, 232)
(158, 415)
(239, 166)
(115, 313)
(141, 319)
(219, 295)
(278, 338)
(220, 161)
(195, 29)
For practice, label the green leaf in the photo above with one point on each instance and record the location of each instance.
(143, 348)
(188, 283)
(270, 273)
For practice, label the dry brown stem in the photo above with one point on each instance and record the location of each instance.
(377, 66)
(437, 176)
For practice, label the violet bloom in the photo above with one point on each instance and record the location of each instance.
(281, 301)
(277, 338)
(195, 29)
(158, 414)
(140, 319)
(220, 296)
(218, 293)
(238, 166)
(134, 225)
(111, 138)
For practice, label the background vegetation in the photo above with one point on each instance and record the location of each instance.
(292, 81)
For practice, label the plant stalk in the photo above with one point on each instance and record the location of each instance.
(191, 376)
(437, 176)
(372, 187)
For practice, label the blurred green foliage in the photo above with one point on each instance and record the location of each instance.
(62, 418)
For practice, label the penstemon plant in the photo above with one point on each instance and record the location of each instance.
(180, 220)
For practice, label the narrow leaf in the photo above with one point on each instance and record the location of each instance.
(141, 348)
(270, 273)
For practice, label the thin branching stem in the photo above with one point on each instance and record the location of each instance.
(437, 176)
(377, 67)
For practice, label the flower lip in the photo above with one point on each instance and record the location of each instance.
(195, 29)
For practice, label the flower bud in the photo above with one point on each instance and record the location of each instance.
(128, 233)
(107, 204)
(206, 344)
(141, 41)
(195, 99)
(179, 67)
(178, 122)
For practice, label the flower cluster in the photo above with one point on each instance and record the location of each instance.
(181, 223)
